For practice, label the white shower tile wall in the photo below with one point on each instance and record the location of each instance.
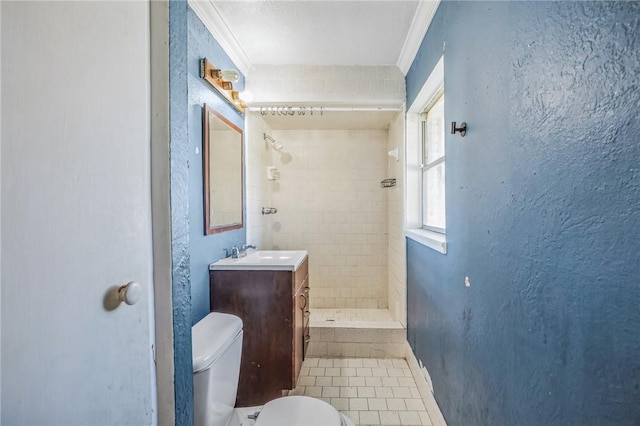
(330, 203)
(307, 83)
(258, 156)
(396, 245)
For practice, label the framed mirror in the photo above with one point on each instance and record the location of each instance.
(222, 171)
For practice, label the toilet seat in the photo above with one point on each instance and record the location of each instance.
(298, 410)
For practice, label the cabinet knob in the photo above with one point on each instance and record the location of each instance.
(130, 293)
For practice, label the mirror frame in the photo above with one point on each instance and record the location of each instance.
(208, 230)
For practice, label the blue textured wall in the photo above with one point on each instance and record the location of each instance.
(192, 251)
(204, 249)
(543, 200)
(179, 157)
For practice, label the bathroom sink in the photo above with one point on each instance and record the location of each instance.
(278, 254)
(262, 260)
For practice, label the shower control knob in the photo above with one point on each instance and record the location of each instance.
(130, 293)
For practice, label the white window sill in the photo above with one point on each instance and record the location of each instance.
(431, 239)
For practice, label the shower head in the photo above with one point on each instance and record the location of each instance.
(276, 145)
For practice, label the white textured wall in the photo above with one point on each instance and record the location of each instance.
(397, 246)
(258, 156)
(331, 84)
(330, 203)
(161, 217)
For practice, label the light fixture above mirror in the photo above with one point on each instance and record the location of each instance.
(222, 82)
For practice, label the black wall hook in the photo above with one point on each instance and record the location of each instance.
(462, 129)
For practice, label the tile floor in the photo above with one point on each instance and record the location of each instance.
(368, 390)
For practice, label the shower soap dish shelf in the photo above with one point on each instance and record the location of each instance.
(387, 183)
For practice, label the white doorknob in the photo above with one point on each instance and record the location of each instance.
(130, 293)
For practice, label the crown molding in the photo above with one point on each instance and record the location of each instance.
(419, 26)
(210, 17)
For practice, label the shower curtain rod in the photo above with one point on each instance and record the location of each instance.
(303, 110)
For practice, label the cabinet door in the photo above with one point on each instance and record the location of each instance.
(301, 304)
(263, 300)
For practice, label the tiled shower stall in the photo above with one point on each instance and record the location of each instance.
(330, 202)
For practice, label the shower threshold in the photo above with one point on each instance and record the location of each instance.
(353, 318)
(363, 333)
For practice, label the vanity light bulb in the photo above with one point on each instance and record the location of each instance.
(230, 75)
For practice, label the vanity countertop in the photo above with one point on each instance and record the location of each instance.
(262, 260)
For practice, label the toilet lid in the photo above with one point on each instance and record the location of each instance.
(298, 410)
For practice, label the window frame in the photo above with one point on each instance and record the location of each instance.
(413, 163)
(427, 164)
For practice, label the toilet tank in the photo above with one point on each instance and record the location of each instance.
(217, 348)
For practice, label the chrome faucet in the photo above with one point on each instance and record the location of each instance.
(236, 252)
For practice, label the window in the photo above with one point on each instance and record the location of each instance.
(433, 197)
(425, 164)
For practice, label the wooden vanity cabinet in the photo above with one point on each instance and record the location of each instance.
(273, 306)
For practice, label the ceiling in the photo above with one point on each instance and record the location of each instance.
(321, 32)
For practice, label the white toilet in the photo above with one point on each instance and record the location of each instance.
(217, 348)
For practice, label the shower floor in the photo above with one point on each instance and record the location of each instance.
(363, 333)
